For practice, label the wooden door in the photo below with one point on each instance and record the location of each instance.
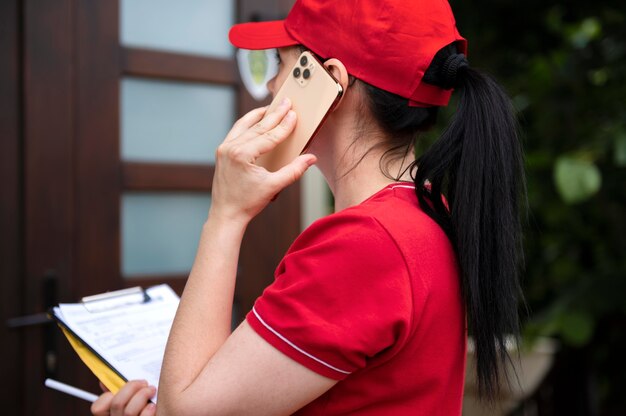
(11, 208)
(67, 180)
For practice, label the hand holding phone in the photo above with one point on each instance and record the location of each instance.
(313, 93)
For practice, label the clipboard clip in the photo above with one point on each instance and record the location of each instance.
(115, 299)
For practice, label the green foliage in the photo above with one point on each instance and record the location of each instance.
(620, 149)
(576, 178)
(564, 65)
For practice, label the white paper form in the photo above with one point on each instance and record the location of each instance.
(131, 337)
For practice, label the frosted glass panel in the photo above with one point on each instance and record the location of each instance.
(160, 232)
(197, 27)
(174, 121)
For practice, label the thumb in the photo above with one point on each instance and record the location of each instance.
(293, 171)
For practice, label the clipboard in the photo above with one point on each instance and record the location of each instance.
(102, 304)
(107, 375)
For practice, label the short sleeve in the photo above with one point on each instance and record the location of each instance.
(341, 296)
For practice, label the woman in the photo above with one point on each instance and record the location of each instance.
(370, 307)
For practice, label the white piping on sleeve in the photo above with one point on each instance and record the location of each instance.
(291, 344)
(403, 186)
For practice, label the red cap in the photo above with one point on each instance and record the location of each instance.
(386, 43)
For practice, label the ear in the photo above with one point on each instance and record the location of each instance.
(339, 71)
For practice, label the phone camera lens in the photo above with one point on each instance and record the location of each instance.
(303, 61)
(306, 74)
(296, 72)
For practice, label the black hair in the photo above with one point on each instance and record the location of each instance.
(477, 164)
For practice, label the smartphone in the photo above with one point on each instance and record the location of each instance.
(313, 92)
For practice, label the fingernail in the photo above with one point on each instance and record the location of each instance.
(290, 115)
(285, 102)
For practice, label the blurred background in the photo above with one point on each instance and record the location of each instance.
(564, 65)
(110, 112)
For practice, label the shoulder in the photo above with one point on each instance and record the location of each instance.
(351, 243)
(388, 228)
(389, 231)
(350, 227)
(354, 235)
(391, 215)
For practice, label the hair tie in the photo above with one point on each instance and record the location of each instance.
(449, 70)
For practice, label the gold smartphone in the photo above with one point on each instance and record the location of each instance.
(313, 92)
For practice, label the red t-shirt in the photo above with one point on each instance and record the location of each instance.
(371, 296)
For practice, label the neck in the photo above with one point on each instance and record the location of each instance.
(354, 178)
(352, 191)
(349, 158)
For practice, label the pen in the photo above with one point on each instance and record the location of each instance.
(73, 391)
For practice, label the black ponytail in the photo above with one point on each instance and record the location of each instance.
(477, 164)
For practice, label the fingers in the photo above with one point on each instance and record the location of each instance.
(246, 122)
(139, 401)
(103, 387)
(272, 118)
(102, 406)
(149, 410)
(248, 147)
(271, 138)
(268, 128)
(132, 399)
(125, 394)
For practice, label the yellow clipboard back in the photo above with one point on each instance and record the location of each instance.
(104, 373)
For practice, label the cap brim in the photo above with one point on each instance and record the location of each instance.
(261, 35)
